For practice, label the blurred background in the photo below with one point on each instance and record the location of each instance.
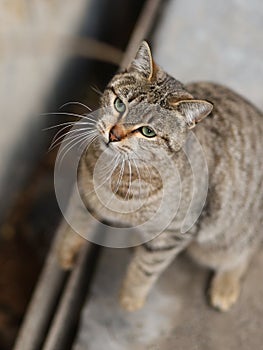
(54, 52)
(51, 52)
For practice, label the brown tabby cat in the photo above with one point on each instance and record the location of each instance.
(227, 233)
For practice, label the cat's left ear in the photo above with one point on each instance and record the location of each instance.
(193, 110)
(143, 62)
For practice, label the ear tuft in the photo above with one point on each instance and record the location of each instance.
(194, 110)
(143, 62)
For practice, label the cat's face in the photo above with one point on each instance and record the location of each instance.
(145, 110)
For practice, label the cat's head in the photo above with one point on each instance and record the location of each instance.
(145, 109)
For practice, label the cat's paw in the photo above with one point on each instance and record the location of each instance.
(224, 291)
(66, 258)
(131, 303)
(68, 249)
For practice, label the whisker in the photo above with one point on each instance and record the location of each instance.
(58, 125)
(116, 162)
(70, 143)
(150, 175)
(139, 178)
(108, 167)
(145, 165)
(55, 140)
(130, 177)
(75, 103)
(80, 138)
(85, 140)
(120, 176)
(81, 116)
(118, 181)
(68, 124)
(85, 116)
(96, 89)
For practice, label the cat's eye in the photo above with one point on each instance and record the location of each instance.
(147, 131)
(119, 105)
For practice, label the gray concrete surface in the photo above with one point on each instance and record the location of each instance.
(176, 315)
(214, 40)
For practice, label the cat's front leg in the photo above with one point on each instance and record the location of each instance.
(71, 242)
(68, 246)
(149, 261)
(225, 286)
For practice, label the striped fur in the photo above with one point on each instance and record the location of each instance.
(229, 229)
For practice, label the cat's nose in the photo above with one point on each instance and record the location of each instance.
(117, 133)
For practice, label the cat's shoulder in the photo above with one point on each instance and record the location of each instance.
(206, 89)
(219, 94)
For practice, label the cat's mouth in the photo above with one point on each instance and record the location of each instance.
(107, 145)
(115, 147)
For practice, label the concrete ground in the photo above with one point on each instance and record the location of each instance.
(214, 40)
(176, 315)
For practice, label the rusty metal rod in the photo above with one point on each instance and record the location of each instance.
(142, 28)
(41, 307)
(62, 331)
(47, 326)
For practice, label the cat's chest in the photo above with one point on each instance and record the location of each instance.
(126, 191)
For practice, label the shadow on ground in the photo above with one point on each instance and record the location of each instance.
(176, 316)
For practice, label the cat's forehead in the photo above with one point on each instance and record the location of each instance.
(132, 86)
(128, 85)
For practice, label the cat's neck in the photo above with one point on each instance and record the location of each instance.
(136, 176)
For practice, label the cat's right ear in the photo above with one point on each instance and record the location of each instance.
(194, 111)
(143, 61)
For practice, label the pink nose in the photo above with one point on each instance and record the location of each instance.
(117, 133)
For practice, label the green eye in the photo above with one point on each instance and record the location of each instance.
(148, 132)
(119, 105)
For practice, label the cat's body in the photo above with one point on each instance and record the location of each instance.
(229, 229)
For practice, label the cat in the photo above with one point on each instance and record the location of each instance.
(229, 129)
